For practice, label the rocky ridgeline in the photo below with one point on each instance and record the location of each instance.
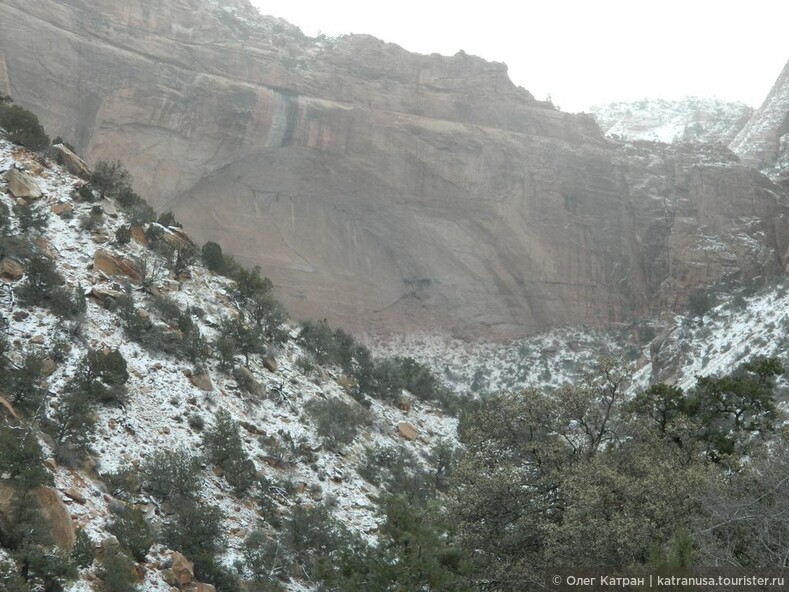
(384, 190)
(169, 403)
(764, 141)
(692, 119)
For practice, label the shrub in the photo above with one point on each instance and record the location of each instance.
(268, 315)
(212, 257)
(47, 568)
(195, 347)
(266, 560)
(43, 287)
(167, 308)
(398, 471)
(117, 573)
(247, 340)
(168, 219)
(123, 235)
(24, 384)
(700, 302)
(85, 193)
(5, 219)
(196, 531)
(73, 424)
(329, 346)
(41, 279)
(311, 534)
(23, 127)
(227, 351)
(172, 474)
(84, 551)
(225, 448)
(249, 283)
(30, 218)
(196, 422)
(21, 458)
(337, 422)
(102, 375)
(133, 531)
(10, 580)
(124, 483)
(93, 221)
(110, 178)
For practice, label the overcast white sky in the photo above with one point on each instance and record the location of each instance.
(582, 52)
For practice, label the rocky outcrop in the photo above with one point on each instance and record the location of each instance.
(407, 431)
(70, 161)
(55, 517)
(692, 119)
(183, 569)
(764, 141)
(109, 265)
(11, 269)
(384, 190)
(22, 185)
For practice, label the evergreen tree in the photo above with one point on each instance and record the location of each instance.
(226, 449)
(110, 178)
(30, 218)
(22, 126)
(213, 257)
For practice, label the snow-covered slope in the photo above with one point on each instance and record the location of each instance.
(691, 119)
(673, 349)
(162, 399)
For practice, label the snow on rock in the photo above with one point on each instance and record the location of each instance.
(162, 399)
(691, 119)
(764, 140)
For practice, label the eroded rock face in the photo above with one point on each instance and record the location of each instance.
(764, 141)
(381, 189)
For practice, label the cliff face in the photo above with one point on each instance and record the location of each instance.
(692, 119)
(764, 141)
(385, 190)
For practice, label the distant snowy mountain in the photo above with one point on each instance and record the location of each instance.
(691, 119)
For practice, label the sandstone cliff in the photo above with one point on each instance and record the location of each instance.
(764, 141)
(385, 190)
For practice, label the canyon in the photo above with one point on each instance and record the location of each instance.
(388, 191)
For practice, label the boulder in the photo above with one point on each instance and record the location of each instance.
(201, 587)
(138, 234)
(202, 381)
(183, 569)
(168, 575)
(109, 207)
(44, 247)
(104, 295)
(70, 161)
(57, 517)
(75, 494)
(407, 431)
(11, 269)
(6, 408)
(105, 263)
(62, 208)
(48, 366)
(246, 381)
(110, 545)
(177, 238)
(270, 364)
(23, 185)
